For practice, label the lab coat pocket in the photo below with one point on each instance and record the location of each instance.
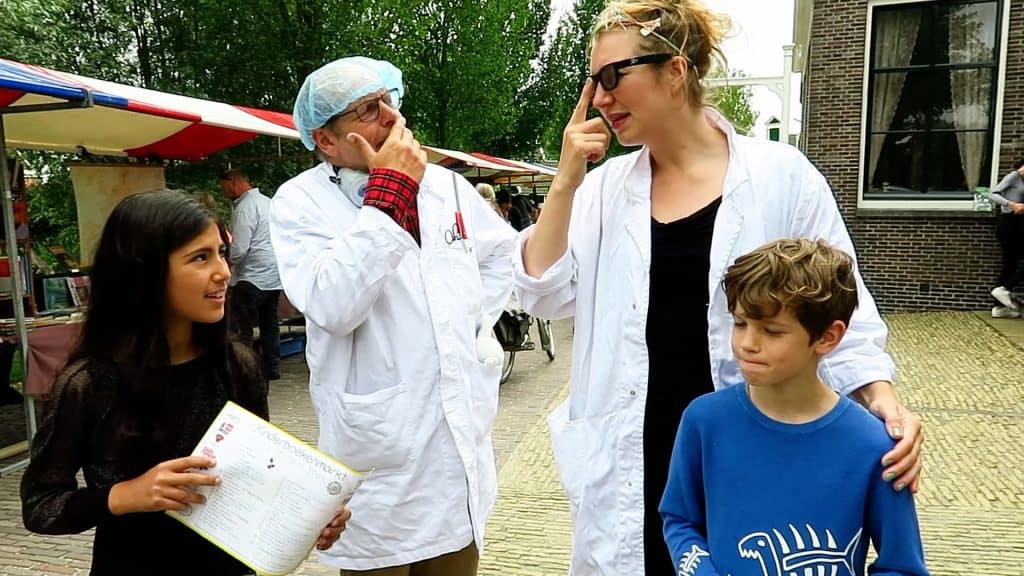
(484, 392)
(579, 456)
(375, 430)
(466, 284)
(585, 464)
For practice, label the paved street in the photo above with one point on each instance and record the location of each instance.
(963, 373)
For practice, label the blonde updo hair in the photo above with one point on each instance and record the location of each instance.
(486, 191)
(688, 28)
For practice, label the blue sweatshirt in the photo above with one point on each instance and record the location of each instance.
(751, 496)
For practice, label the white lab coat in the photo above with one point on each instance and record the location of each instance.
(391, 346)
(771, 191)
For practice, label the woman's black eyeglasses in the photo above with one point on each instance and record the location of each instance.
(609, 74)
(369, 110)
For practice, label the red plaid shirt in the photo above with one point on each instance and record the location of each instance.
(394, 194)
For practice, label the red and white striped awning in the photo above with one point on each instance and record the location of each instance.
(124, 120)
(471, 164)
(521, 165)
(480, 166)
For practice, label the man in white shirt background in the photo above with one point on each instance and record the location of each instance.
(255, 285)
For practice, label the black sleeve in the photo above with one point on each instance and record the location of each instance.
(52, 502)
(248, 382)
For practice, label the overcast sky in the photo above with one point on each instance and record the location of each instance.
(760, 29)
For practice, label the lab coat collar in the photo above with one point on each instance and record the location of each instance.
(638, 175)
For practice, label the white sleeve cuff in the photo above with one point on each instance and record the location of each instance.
(553, 279)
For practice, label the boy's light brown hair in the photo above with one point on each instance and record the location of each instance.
(809, 277)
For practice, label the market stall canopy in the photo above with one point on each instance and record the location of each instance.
(537, 169)
(471, 165)
(535, 178)
(120, 120)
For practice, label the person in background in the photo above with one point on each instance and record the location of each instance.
(1009, 195)
(401, 270)
(820, 492)
(256, 287)
(154, 366)
(521, 215)
(535, 204)
(512, 210)
(636, 250)
(487, 193)
(8, 395)
(504, 201)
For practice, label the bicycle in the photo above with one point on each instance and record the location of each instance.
(513, 333)
(547, 340)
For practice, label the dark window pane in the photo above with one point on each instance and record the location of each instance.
(927, 34)
(937, 99)
(895, 33)
(932, 89)
(911, 164)
(900, 163)
(945, 167)
(946, 172)
(892, 98)
(928, 38)
(970, 93)
(969, 34)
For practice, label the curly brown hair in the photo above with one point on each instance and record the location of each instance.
(811, 278)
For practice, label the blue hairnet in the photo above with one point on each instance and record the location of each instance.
(331, 88)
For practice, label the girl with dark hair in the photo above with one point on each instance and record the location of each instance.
(152, 370)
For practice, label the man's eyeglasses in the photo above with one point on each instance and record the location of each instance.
(369, 110)
(609, 74)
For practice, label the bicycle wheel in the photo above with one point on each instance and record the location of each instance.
(506, 366)
(547, 341)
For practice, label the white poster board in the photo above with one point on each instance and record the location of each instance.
(98, 188)
(276, 492)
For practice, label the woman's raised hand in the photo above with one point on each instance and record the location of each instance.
(583, 141)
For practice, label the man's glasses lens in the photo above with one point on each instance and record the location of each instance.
(369, 111)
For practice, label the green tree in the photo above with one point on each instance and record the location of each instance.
(556, 89)
(464, 62)
(29, 31)
(735, 103)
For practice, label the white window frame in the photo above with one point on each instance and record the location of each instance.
(966, 205)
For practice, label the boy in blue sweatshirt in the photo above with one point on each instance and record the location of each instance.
(781, 475)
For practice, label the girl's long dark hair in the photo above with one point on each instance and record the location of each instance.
(125, 328)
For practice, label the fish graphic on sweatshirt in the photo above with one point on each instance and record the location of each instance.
(800, 554)
(691, 560)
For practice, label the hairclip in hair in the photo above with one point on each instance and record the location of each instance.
(618, 17)
(649, 27)
(621, 18)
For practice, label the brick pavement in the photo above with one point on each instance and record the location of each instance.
(959, 372)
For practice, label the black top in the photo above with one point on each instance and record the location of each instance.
(677, 347)
(82, 432)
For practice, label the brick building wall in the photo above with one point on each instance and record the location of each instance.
(910, 261)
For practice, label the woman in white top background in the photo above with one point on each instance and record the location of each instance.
(636, 251)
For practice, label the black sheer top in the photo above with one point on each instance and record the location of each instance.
(83, 430)
(680, 363)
